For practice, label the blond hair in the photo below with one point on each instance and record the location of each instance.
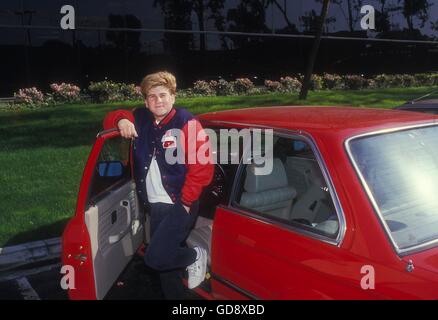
(162, 78)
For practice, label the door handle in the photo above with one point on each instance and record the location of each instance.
(81, 257)
(127, 205)
(117, 237)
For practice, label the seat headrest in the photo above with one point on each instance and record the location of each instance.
(257, 183)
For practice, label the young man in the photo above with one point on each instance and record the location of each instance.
(171, 191)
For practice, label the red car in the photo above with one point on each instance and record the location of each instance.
(348, 211)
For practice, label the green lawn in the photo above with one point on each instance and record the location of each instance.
(43, 153)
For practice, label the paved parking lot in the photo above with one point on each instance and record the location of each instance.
(137, 282)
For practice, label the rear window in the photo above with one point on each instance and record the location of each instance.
(400, 169)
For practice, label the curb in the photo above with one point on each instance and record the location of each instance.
(30, 252)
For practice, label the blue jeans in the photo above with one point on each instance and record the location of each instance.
(170, 226)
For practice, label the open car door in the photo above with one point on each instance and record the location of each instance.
(108, 226)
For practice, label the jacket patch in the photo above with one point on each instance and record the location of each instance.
(168, 140)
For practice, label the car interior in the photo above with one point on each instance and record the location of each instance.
(296, 183)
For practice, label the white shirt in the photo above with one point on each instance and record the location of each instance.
(154, 185)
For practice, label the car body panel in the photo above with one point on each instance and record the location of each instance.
(256, 258)
(365, 242)
(325, 122)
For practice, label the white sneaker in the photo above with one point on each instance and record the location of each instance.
(198, 268)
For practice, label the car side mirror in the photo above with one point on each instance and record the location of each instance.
(110, 169)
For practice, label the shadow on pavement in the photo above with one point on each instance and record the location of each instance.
(42, 233)
(137, 282)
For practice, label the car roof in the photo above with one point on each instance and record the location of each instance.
(343, 122)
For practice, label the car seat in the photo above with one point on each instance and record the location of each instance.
(269, 193)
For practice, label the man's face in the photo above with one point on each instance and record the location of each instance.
(159, 101)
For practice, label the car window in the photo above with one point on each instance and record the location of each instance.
(112, 167)
(226, 161)
(400, 169)
(294, 192)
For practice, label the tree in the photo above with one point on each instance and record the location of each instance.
(248, 16)
(132, 40)
(177, 16)
(310, 22)
(116, 37)
(314, 52)
(283, 10)
(415, 8)
(352, 5)
(200, 8)
(383, 24)
(382, 18)
(204, 11)
(133, 37)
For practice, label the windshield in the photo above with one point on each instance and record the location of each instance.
(401, 171)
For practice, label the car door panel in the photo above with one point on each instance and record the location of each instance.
(233, 251)
(115, 234)
(269, 262)
(107, 228)
(268, 257)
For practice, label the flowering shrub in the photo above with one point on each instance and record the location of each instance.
(382, 80)
(222, 87)
(408, 80)
(65, 92)
(107, 91)
(273, 86)
(332, 81)
(424, 79)
(405, 80)
(316, 82)
(394, 80)
(130, 92)
(104, 91)
(185, 93)
(354, 82)
(138, 93)
(213, 86)
(30, 97)
(203, 88)
(371, 84)
(290, 84)
(243, 86)
(257, 90)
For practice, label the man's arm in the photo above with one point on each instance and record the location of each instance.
(123, 120)
(112, 118)
(198, 174)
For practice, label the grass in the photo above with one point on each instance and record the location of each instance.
(43, 152)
